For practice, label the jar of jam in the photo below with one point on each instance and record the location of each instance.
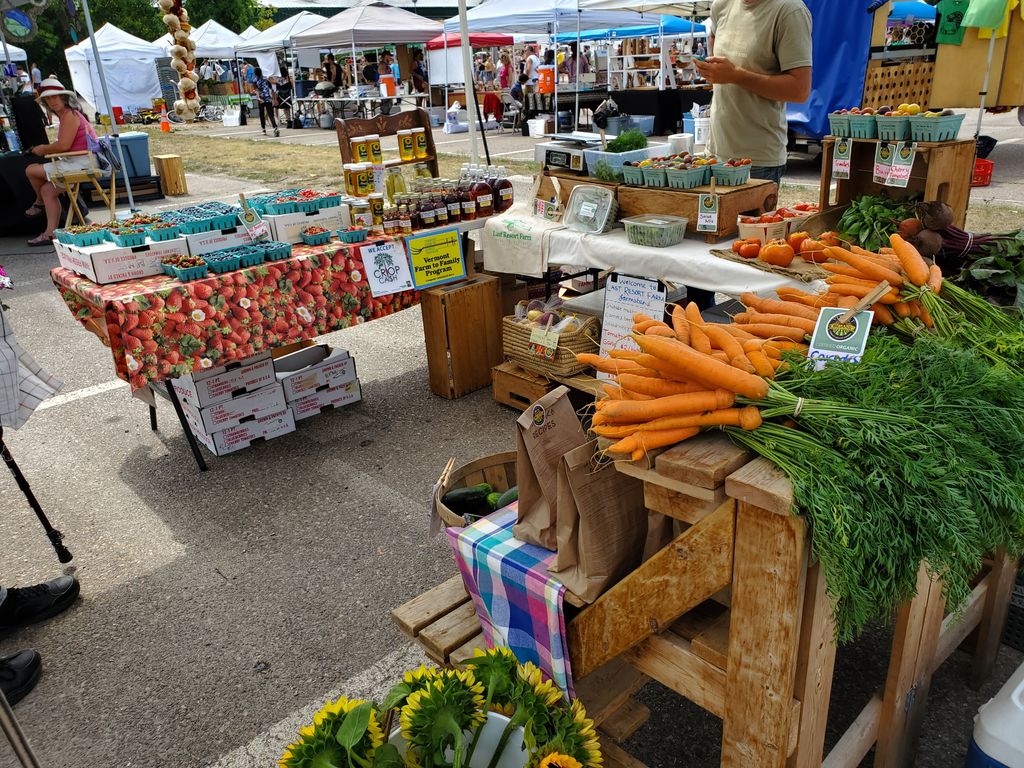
(468, 203)
(451, 199)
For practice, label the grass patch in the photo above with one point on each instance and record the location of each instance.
(278, 164)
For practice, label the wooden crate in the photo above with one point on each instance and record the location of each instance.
(942, 171)
(462, 328)
(904, 83)
(171, 171)
(518, 388)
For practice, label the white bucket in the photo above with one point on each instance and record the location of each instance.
(514, 754)
(232, 116)
(997, 726)
(537, 127)
(701, 131)
(680, 142)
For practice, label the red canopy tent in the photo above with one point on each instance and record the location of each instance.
(476, 40)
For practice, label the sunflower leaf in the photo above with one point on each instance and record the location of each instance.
(396, 697)
(387, 756)
(354, 727)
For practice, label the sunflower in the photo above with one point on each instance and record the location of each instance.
(319, 738)
(496, 670)
(558, 760)
(434, 718)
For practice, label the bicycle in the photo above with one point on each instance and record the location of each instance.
(208, 113)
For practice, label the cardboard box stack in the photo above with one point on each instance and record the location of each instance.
(232, 406)
(317, 378)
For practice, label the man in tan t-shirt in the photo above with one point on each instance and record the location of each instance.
(761, 60)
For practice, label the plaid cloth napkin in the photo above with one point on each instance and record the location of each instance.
(519, 603)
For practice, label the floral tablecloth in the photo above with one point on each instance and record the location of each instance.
(160, 328)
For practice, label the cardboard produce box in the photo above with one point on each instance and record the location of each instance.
(208, 242)
(313, 369)
(336, 397)
(215, 385)
(236, 438)
(110, 263)
(287, 227)
(239, 410)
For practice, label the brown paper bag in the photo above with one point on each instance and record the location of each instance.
(602, 524)
(548, 429)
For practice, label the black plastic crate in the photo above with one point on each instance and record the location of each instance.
(1013, 635)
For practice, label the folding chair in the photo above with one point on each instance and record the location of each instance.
(73, 179)
(512, 112)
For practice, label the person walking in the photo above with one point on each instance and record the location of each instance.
(37, 77)
(267, 101)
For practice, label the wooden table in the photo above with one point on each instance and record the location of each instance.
(942, 171)
(733, 615)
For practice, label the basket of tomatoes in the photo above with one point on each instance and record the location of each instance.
(732, 173)
(767, 226)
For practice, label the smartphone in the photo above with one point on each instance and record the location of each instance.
(701, 58)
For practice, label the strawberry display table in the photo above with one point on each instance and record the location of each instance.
(158, 328)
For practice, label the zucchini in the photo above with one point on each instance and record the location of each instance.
(472, 500)
(512, 494)
(492, 499)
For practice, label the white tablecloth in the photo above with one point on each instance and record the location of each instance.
(688, 263)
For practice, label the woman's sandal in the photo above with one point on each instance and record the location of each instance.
(41, 240)
(36, 209)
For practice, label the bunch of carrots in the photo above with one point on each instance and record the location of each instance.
(686, 376)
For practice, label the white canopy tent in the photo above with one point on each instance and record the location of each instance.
(215, 41)
(277, 37)
(543, 17)
(249, 32)
(366, 27)
(129, 64)
(683, 8)
(16, 53)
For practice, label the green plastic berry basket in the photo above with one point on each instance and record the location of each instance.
(935, 128)
(731, 176)
(352, 235)
(688, 178)
(222, 263)
(893, 128)
(839, 125)
(319, 239)
(655, 177)
(633, 175)
(159, 234)
(189, 274)
(129, 240)
(252, 259)
(863, 127)
(275, 251)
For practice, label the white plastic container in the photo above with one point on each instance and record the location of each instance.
(536, 126)
(590, 209)
(232, 116)
(655, 230)
(701, 131)
(998, 740)
(618, 159)
(680, 142)
(513, 756)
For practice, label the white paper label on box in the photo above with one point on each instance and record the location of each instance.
(623, 297)
(841, 159)
(707, 213)
(588, 211)
(387, 268)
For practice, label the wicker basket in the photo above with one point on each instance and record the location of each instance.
(515, 339)
(499, 470)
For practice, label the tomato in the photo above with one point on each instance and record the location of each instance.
(830, 238)
(738, 244)
(796, 239)
(777, 253)
(750, 249)
(813, 250)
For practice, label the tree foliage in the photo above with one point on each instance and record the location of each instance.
(236, 15)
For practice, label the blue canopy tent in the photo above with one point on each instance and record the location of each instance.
(913, 8)
(670, 25)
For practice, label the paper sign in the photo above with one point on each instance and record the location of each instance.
(884, 153)
(624, 296)
(254, 224)
(902, 164)
(707, 213)
(387, 268)
(436, 258)
(833, 340)
(543, 343)
(841, 159)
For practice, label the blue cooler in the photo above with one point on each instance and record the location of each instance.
(688, 123)
(998, 739)
(136, 153)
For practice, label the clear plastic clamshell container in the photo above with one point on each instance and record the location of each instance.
(590, 209)
(655, 229)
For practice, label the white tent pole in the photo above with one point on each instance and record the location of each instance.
(110, 109)
(467, 73)
(985, 84)
(445, 41)
(554, 42)
(576, 63)
(661, 53)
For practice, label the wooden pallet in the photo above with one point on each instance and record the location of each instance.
(517, 387)
(143, 188)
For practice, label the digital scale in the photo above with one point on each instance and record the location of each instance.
(565, 151)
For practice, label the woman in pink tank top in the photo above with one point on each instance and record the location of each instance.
(72, 136)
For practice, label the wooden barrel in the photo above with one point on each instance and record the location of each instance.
(499, 470)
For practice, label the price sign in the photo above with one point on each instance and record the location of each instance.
(436, 258)
(902, 164)
(623, 297)
(707, 213)
(884, 153)
(543, 343)
(387, 268)
(841, 159)
(834, 339)
(254, 224)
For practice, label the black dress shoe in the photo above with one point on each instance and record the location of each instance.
(20, 606)
(19, 674)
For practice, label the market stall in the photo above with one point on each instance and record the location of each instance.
(129, 64)
(278, 38)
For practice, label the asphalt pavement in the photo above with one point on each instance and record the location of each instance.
(220, 609)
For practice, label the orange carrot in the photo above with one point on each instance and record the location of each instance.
(901, 309)
(791, 320)
(785, 346)
(926, 317)
(723, 340)
(885, 259)
(860, 291)
(649, 441)
(935, 278)
(844, 280)
(762, 366)
(843, 269)
(848, 302)
(748, 418)
(661, 330)
(606, 364)
(680, 324)
(656, 387)
(770, 331)
(915, 308)
(625, 354)
(882, 314)
(641, 317)
(910, 259)
(626, 411)
(612, 391)
(698, 339)
(776, 307)
(868, 267)
(703, 369)
(626, 445)
(738, 332)
(643, 325)
(718, 354)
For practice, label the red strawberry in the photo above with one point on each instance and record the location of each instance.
(138, 381)
(149, 347)
(226, 291)
(190, 329)
(147, 317)
(174, 301)
(280, 326)
(130, 321)
(203, 291)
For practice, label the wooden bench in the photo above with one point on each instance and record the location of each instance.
(734, 616)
